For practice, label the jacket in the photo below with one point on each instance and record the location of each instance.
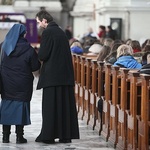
(76, 50)
(127, 62)
(16, 72)
(145, 69)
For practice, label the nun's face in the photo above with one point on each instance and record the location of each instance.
(42, 23)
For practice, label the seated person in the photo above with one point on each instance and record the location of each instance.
(87, 42)
(145, 50)
(95, 49)
(135, 46)
(146, 68)
(111, 58)
(125, 58)
(76, 47)
(105, 50)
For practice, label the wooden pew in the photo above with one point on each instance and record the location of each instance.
(93, 56)
(99, 94)
(135, 96)
(122, 107)
(93, 112)
(78, 81)
(144, 119)
(81, 87)
(125, 121)
(88, 83)
(106, 107)
(74, 61)
(113, 109)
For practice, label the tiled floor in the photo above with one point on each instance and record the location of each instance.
(89, 139)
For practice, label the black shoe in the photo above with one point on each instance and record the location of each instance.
(20, 140)
(65, 141)
(48, 141)
(38, 139)
(5, 138)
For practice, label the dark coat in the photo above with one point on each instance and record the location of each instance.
(57, 80)
(57, 68)
(16, 72)
(145, 69)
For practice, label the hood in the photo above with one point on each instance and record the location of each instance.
(12, 37)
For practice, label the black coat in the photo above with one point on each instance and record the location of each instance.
(145, 69)
(16, 72)
(57, 68)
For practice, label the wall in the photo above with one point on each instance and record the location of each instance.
(134, 15)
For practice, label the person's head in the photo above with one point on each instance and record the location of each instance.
(76, 43)
(43, 18)
(118, 41)
(88, 41)
(104, 52)
(18, 30)
(148, 42)
(135, 45)
(108, 42)
(108, 28)
(102, 28)
(146, 48)
(128, 41)
(124, 50)
(115, 46)
(148, 57)
(145, 43)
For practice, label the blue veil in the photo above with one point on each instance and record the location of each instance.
(12, 37)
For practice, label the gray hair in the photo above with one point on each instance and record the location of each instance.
(124, 50)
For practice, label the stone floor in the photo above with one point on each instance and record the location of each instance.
(89, 139)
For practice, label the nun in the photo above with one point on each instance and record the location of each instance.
(18, 62)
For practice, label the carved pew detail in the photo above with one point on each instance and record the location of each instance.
(106, 107)
(113, 109)
(86, 90)
(92, 93)
(132, 112)
(99, 94)
(143, 119)
(122, 118)
(78, 83)
(81, 87)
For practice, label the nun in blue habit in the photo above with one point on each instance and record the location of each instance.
(18, 62)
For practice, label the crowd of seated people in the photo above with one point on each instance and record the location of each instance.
(128, 54)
